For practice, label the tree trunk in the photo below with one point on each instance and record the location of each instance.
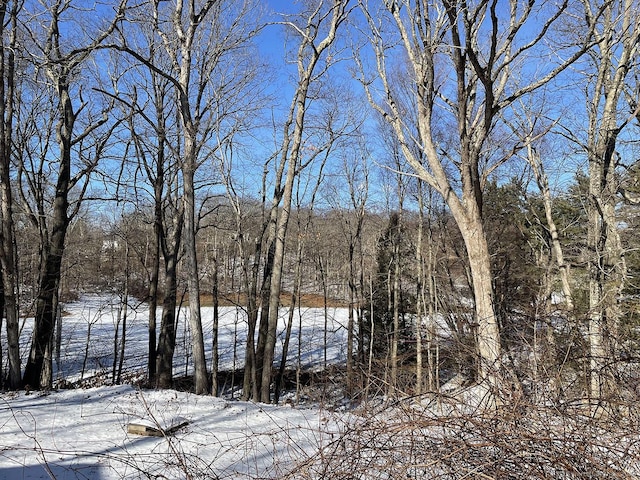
(201, 377)
(8, 256)
(216, 322)
(615, 52)
(1, 319)
(395, 308)
(124, 308)
(46, 377)
(444, 36)
(275, 287)
(295, 295)
(606, 278)
(325, 294)
(116, 350)
(57, 344)
(420, 296)
(486, 324)
(53, 251)
(45, 309)
(250, 381)
(153, 301)
(263, 326)
(10, 300)
(362, 320)
(309, 53)
(543, 185)
(167, 340)
(351, 318)
(87, 344)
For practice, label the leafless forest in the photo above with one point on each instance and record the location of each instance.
(461, 177)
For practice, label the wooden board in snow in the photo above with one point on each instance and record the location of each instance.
(152, 429)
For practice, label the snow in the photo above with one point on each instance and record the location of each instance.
(82, 433)
(77, 434)
(98, 315)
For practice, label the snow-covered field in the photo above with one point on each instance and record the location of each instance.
(82, 433)
(98, 315)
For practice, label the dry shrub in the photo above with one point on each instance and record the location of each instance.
(411, 440)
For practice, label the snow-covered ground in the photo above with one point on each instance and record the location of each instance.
(82, 433)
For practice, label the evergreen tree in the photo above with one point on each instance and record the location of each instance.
(394, 248)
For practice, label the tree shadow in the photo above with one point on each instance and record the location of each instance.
(70, 471)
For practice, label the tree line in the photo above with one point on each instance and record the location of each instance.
(405, 165)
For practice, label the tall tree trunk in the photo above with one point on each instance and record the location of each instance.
(543, 185)
(216, 322)
(1, 319)
(486, 324)
(420, 296)
(170, 246)
(116, 343)
(310, 51)
(295, 295)
(167, 339)
(264, 325)
(60, 69)
(57, 344)
(153, 300)
(250, 277)
(124, 308)
(395, 309)
(325, 294)
(432, 311)
(617, 32)
(45, 309)
(8, 276)
(46, 378)
(275, 287)
(445, 36)
(352, 314)
(362, 320)
(606, 278)
(54, 249)
(8, 254)
(201, 377)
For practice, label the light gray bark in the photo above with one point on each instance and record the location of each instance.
(543, 185)
(420, 290)
(431, 33)
(617, 35)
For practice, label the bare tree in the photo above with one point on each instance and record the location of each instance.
(532, 121)
(151, 112)
(304, 220)
(616, 27)
(249, 246)
(199, 39)
(9, 303)
(61, 62)
(316, 32)
(355, 171)
(462, 61)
